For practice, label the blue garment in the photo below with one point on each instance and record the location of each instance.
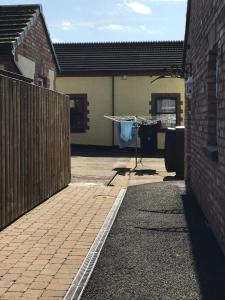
(126, 133)
(126, 130)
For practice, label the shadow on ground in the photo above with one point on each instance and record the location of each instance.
(95, 151)
(159, 248)
(124, 171)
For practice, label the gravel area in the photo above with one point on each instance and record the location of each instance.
(159, 248)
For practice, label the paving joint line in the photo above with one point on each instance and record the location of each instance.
(82, 277)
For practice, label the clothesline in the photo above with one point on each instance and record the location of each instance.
(138, 121)
(141, 119)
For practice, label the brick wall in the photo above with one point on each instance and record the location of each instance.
(205, 175)
(36, 47)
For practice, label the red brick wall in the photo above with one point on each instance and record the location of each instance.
(36, 47)
(206, 177)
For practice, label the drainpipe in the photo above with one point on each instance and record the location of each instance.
(113, 107)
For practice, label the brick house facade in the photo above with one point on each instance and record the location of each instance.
(204, 60)
(27, 50)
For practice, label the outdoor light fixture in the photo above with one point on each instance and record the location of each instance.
(124, 77)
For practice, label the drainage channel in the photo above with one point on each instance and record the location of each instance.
(80, 281)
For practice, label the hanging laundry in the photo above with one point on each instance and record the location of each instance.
(126, 133)
(148, 137)
(126, 130)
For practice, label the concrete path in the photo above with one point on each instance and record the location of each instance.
(149, 170)
(41, 252)
(96, 168)
(159, 248)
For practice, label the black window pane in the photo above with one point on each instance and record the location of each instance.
(78, 113)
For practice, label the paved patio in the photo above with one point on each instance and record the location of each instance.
(41, 252)
(96, 167)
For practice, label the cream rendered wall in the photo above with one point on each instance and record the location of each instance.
(99, 94)
(132, 97)
(27, 66)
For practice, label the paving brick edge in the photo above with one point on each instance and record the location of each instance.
(82, 277)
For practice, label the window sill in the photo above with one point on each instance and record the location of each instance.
(211, 152)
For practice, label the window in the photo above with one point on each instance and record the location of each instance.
(213, 80)
(166, 105)
(78, 113)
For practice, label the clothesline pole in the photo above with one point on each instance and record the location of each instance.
(136, 143)
(136, 147)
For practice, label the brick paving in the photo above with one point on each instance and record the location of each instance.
(41, 252)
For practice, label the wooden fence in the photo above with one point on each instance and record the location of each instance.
(34, 146)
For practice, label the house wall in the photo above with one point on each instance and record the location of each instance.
(204, 173)
(99, 92)
(27, 66)
(132, 96)
(34, 57)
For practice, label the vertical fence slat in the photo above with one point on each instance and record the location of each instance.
(2, 153)
(7, 151)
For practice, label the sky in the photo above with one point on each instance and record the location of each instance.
(112, 20)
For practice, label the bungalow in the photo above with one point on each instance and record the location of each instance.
(119, 78)
(25, 44)
(205, 110)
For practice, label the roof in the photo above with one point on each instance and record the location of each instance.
(15, 22)
(120, 57)
(15, 76)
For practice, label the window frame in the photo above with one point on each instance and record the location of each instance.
(85, 113)
(160, 96)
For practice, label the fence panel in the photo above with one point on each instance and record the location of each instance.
(34, 146)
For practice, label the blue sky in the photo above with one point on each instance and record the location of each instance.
(112, 20)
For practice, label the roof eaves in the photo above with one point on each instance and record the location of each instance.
(173, 71)
(49, 40)
(15, 75)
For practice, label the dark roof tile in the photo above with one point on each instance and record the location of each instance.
(14, 19)
(15, 22)
(119, 57)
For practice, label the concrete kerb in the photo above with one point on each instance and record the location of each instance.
(81, 279)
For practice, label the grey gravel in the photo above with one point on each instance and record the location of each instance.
(159, 248)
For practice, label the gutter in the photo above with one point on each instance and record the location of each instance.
(15, 76)
(113, 107)
(186, 46)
